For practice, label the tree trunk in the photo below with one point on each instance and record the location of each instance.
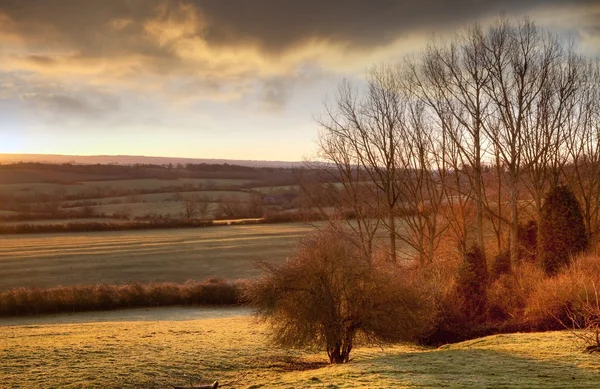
(392, 222)
(339, 352)
(514, 222)
(479, 192)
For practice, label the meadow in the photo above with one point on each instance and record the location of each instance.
(26, 189)
(47, 260)
(174, 346)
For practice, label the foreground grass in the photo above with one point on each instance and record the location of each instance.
(157, 354)
(49, 260)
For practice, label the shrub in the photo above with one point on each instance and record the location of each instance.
(505, 300)
(27, 301)
(500, 265)
(329, 293)
(527, 238)
(471, 282)
(561, 301)
(562, 229)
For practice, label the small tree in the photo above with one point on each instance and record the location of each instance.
(190, 205)
(328, 293)
(562, 230)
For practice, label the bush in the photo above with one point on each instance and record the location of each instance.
(505, 300)
(527, 238)
(561, 301)
(329, 293)
(501, 265)
(471, 283)
(28, 301)
(562, 230)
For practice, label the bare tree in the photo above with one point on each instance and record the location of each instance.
(421, 156)
(546, 126)
(453, 85)
(204, 207)
(190, 205)
(584, 146)
(365, 127)
(329, 293)
(518, 59)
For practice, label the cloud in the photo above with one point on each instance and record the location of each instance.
(225, 50)
(57, 101)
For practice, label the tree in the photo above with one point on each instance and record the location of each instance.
(562, 230)
(364, 128)
(191, 204)
(329, 292)
(583, 144)
(386, 156)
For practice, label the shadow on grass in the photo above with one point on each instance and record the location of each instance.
(481, 369)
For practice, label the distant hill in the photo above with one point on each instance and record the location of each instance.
(134, 159)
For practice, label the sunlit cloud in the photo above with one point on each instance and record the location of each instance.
(111, 63)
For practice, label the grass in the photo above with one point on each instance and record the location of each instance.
(172, 208)
(156, 353)
(167, 197)
(143, 183)
(49, 260)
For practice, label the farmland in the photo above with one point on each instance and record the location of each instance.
(163, 347)
(33, 192)
(47, 260)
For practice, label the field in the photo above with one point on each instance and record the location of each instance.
(46, 260)
(143, 198)
(133, 184)
(159, 348)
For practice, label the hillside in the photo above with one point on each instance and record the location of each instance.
(155, 353)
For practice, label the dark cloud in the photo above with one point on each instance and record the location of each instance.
(196, 47)
(42, 60)
(90, 105)
(273, 25)
(276, 91)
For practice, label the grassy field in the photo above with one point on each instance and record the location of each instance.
(155, 353)
(46, 260)
(167, 197)
(147, 184)
(158, 203)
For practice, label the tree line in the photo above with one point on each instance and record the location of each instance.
(465, 139)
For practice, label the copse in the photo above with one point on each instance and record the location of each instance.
(329, 293)
(562, 229)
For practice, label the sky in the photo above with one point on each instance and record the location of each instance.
(234, 79)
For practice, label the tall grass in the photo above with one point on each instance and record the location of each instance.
(35, 301)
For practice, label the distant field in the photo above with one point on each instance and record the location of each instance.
(46, 260)
(277, 189)
(61, 221)
(158, 203)
(168, 196)
(156, 353)
(147, 184)
(172, 208)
